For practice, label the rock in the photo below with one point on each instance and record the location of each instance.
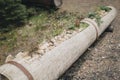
(9, 58)
(81, 29)
(66, 37)
(53, 40)
(47, 50)
(41, 51)
(30, 23)
(44, 46)
(89, 49)
(21, 55)
(74, 33)
(118, 45)
(56, 38)
(103, 57)
(69, 32)
(51, 47)
(50, 43)
(69, 35)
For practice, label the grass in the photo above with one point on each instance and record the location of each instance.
(8, 40)
(41, 27)
(107, 9)
(96, 14)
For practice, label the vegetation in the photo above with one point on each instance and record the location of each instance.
(41, 25)
(97, 15)
(81, 25)
(12, 13)
(84, 25)
(107, 9)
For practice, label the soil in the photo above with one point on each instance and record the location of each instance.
(102, 60)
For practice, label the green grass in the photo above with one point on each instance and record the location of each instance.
(84, 25)
(107, 9)
(95, 14)
(9, 40)
(42, 27)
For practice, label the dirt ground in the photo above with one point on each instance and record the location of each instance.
(102, 60)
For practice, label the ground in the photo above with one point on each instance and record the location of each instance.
(102, 60)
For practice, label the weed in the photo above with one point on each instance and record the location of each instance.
(92, 15)
(42, 27)
(57, 32)
(9, 40)
(71, 27)
(96, 14)
(107, 9)
(98, 19)
(84, 25)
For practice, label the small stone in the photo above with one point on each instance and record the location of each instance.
(74, 33)
(89, 49)
(96, 49)
(51, 47)
(44, 46)
(41, 51)
(53, 40)
(47, 50)
(66, 37)
(103, 57)
(118, 45)
(69, 32)
(80, 29)
(21, 55)
(9, 58)
(56, 38)
(30, 23)
(51, 43)
(69, 35)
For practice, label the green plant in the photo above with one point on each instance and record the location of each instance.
(83, 24)
(57, 32)
(12, 12)
(9, 40)
(92, 15)
(71, 27)
(107, 9)
(96, 16)
(98, 19)
(31, 11)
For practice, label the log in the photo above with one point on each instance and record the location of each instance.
(54, 63)
(45, 3)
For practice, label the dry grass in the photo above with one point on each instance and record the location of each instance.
(40, 28)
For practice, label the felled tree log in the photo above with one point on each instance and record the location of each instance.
(54, 63)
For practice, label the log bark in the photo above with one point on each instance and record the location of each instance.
(45, 3)
(54, 63)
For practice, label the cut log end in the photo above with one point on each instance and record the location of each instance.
(45, 3)
(57, 3)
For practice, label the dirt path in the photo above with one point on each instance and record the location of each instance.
(102, 60)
